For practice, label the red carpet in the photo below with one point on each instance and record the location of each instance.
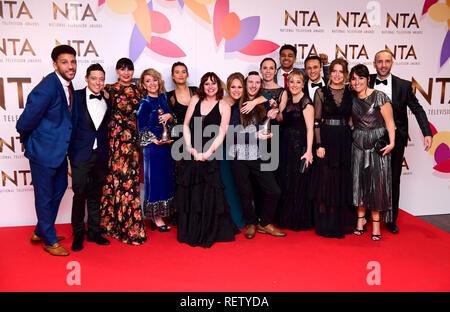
(417, 259)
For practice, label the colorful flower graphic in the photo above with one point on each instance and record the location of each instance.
(148, 22)
(440, 12)
(198, 7)
(441, 150)
(239, 34)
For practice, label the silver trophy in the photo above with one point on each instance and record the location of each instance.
(165, 135)
(266, 124)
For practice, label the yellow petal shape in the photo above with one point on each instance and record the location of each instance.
(439, 12)
(199, 9)
(142, 18)
(205, 2)
(122, 6)
(438, 139)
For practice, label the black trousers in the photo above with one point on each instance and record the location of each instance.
(396, 165)
(87, 181)
(244, 173)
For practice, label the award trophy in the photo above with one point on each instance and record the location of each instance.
(266, 124)
(165, 135)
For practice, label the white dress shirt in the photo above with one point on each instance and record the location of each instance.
(385, 88)
(65, 85)
(96, 109)
(280, 77)
(312, 91)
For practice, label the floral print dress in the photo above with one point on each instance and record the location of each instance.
(120, 211)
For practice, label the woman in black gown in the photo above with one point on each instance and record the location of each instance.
(334, 215)
(203, 212)
(297, 120)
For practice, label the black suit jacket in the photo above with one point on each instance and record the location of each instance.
(84, 132)
(403, 97)
(306, 89)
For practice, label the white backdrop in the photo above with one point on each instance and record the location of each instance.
(101, 31)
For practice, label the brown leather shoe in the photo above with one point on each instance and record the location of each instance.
(270, 229)
(38, 239)
(250, 231)
(56, 250)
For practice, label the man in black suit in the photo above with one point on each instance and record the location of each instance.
(401, 95)
(88, 154)
(313, 71)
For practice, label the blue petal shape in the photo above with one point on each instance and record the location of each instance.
(445, 51)
(249, 29)
(137, 44)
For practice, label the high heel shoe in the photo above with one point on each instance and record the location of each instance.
(161, 229)
(376, 237)
(360, 232)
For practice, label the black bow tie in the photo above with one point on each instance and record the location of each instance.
(377, 81)
(93, 96)
(316, 85)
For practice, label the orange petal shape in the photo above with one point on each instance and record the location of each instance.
(122, 6)
(230, 26)
(439, 12)
(165, 47)
(259, 47)
(142, 17)
(205, 1)
(160, 23)
(199, 9)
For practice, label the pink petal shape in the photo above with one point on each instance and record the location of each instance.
(259, 47)
(442, 153)
(427, 5)
(101, 2)
(160, 22)
(165, 47)
(221, 8)
(443, 166)
(249, 29)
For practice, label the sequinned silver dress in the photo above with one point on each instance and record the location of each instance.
(372, 179)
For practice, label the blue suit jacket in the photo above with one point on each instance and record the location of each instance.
(84, 132)
(45, 125)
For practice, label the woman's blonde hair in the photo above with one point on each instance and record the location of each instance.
(156, 75)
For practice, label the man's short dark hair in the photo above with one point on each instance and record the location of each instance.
(313, 57)
(289, 47)
(62, 49)
(93, 67)
(125, 62)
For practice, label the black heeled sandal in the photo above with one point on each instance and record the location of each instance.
(376, 237)
(161, 229)
(360, 232)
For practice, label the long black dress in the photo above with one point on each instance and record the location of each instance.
(203, 212)
(295, 207)
(334, 214)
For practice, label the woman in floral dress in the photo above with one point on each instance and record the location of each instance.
(120, 211)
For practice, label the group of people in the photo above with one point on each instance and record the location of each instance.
(341, 142)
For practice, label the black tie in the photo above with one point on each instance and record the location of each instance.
(316, 85)
(377, 81)
(93, 96)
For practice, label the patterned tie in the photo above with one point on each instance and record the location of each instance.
(285, 80)
(70, 98)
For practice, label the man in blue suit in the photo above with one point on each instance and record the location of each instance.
(88, 155)
(45, 128)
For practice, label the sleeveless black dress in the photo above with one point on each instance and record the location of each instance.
(203, 213)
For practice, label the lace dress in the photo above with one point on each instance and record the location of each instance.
(334, 214)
